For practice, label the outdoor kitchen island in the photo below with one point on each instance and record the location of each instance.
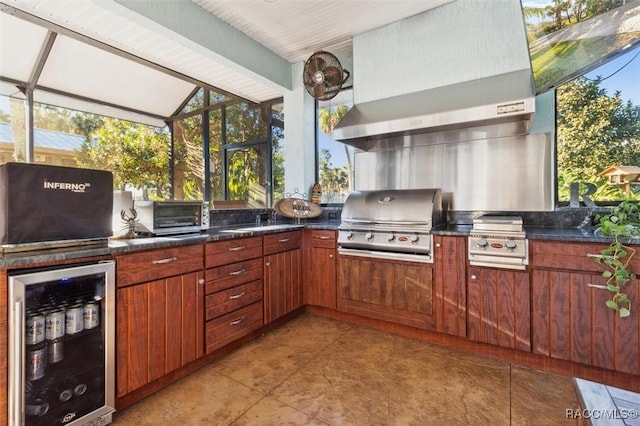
(588, 342)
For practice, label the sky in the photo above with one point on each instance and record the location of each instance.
(627, 80)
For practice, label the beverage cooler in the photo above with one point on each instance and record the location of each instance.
(61, 345)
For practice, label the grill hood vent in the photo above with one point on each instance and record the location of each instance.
(505, 98)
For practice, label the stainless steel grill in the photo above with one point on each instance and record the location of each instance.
(391, 224)
(498, 241)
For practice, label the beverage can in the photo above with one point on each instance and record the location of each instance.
(35, 328)
(55, 324)
(91, 315)
(36, 361)
(55, 351)
(74, 322)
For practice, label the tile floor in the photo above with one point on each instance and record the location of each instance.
(318, 371)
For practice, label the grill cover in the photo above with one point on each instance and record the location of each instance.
(406, 208)
(49, 203)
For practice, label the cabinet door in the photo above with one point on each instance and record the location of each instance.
(401, 292)
(450, 276)
(282, 284)
(571, 321)
(498, 309)
(320, 277)
(160, 327)
(320, 257)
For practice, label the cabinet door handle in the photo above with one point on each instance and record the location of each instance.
(163, 261)
(284, 240)
(236, 248)
(599, 256)
(599, 287)
(330, 256)
(237, 296)
(238, 321)
(241, 271)
(437, 245)
(474, 277)
(201, 281)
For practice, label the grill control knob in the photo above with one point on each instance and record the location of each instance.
(482, 243)
(414, 239)
(510, 245)
(369, 236)
(391, 237)
(349, 235)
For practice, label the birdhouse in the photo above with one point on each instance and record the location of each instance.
(622, 176)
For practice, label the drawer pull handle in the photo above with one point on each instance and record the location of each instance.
(599, 287)
(241, 271)
(163, 261)
(237, 296)
(322, 238)
(284, 240)
(238, 321)
(236, 248)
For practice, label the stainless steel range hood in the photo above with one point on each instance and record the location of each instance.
(504, 98)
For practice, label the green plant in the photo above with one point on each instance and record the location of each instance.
(622, 222)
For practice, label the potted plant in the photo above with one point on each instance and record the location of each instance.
(622, 222)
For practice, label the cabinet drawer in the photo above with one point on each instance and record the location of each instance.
(229, 300)
(224, 252)
(282, 241)
(321, 238)
(227, 276)
(232, 326)
(570, 256)
(156, 264)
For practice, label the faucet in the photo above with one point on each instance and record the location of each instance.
(261, 218)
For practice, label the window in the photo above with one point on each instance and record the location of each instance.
(334, 159)
(588, 52)
(598, 132)
(239, 158)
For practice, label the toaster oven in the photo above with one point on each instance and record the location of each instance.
(171, 217)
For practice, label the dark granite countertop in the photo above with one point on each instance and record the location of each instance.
(23, 259)
(120, 246)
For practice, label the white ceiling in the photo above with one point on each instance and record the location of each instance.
(294, 29)
(239, 46)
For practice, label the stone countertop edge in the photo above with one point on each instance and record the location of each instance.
(123, 246)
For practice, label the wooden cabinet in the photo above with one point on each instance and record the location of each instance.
(234, 290)
(450, 258)
(154, 264)
(319, 275)
(570, 320)
(390, 290)
(283, 290)
(159, 314)
(498, 307)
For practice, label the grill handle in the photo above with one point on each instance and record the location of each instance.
(385, 222)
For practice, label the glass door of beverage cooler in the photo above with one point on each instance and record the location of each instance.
(61, 345)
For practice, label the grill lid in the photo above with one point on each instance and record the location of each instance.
(394, 208)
